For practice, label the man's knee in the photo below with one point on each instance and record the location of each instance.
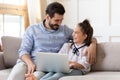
(39, 74)
(18, 72)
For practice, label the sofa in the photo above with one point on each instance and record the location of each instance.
(107, 66)
(9, 55)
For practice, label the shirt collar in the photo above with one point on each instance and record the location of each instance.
(77, 46)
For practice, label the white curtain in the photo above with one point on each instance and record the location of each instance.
(50, 1)
(35, 10)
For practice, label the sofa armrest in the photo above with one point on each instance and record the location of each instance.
(1, 61)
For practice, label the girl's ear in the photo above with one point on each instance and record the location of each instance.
(85, 36)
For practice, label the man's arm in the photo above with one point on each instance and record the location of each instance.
(31, 66)
(91, 51)
(25, 49)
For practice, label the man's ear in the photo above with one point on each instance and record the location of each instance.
(47, 17)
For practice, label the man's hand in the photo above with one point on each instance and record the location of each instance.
(91, 52)
(31, 66)
(91, 55)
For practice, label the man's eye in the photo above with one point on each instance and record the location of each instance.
(57, 21)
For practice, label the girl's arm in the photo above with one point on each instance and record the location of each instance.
(82, 62)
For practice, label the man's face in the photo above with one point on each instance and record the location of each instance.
(55, 21)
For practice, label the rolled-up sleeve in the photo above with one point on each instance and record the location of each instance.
(84, 62)
(27, 43)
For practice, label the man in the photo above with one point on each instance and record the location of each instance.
(48, 36)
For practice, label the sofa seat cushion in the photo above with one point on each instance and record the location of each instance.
(95, 76)
(5, 73)
(1, 61)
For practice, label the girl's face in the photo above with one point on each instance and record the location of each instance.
(78, 35)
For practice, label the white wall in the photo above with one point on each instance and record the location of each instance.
(97, 11)
(71, 14)
(104, 16)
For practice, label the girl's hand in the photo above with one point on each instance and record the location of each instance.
(75, 65)
(71, 65)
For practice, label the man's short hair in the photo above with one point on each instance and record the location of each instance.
(53, 8)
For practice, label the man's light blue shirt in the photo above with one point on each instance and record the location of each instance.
(38, 39)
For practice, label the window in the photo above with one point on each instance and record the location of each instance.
(13, 17)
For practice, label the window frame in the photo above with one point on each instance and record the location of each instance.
(12, 9)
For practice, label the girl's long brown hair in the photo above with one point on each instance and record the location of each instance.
(86, 29)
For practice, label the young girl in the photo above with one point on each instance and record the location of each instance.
(82, 36)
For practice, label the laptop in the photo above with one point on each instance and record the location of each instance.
(52, 62)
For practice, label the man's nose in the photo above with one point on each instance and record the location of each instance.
(59, 22)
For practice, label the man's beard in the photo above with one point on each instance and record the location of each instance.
(54, 26)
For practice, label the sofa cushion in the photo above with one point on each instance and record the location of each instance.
(5, 73)
(1, 61)
(108, 56)
(95, 76)
(10, 49)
